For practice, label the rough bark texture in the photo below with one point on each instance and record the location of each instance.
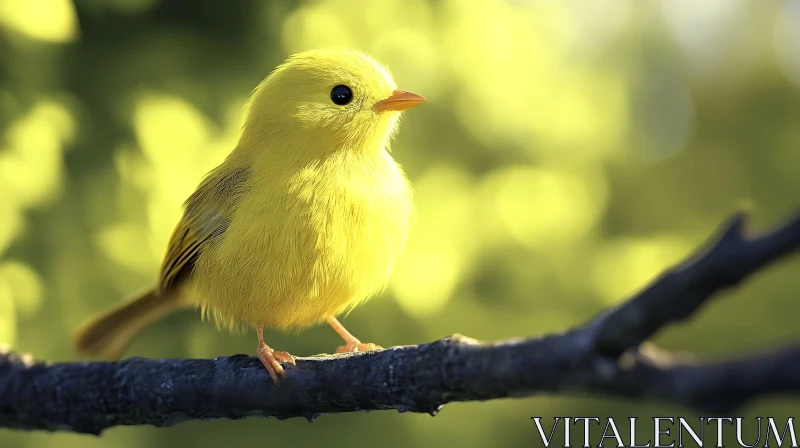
(606, 356)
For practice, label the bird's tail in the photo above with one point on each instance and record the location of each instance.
(107, 335)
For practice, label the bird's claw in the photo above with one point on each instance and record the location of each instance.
(272, 362)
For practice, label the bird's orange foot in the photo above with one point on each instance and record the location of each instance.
(357, 346)
(272, 361)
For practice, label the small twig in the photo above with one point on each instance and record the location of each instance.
(606, 356)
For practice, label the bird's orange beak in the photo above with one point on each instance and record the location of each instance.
(399, 100)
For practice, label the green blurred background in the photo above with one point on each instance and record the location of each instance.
(569, 151)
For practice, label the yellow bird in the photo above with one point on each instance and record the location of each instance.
(301, 222)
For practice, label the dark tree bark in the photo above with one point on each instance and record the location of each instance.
(608, 356)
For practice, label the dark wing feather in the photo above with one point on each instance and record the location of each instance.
(206, 216)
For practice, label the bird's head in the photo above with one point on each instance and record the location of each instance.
(326, 101)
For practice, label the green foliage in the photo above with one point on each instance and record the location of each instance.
(568, 152)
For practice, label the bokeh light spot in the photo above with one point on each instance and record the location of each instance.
(123, 244)
(30, 167)
(625, 265)
(47, 20)
(441, 245)
(24, 285)
(546, 208)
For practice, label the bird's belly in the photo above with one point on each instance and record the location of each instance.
(293, 270)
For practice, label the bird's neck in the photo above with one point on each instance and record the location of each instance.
(276, 151)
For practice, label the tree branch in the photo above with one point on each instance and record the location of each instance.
(606, 356)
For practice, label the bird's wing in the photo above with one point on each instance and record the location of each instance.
(206, 216)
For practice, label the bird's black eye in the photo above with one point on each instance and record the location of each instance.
(341, 95)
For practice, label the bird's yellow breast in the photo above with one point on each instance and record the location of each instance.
(326, 239)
